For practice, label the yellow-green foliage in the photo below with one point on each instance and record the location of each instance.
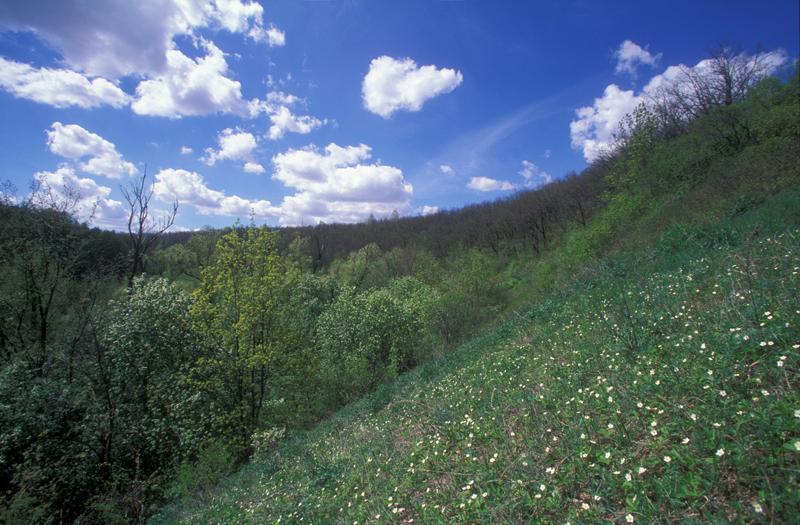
(234, 315)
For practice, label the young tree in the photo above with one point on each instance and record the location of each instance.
(235, 316)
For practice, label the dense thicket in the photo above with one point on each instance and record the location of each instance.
(115, 397)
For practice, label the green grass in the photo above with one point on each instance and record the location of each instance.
(661, 388)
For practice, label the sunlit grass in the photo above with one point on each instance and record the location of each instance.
(662, 389)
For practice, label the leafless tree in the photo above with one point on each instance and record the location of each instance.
(144, 229)
(720, 80)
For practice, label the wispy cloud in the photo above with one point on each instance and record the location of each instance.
(468, 154)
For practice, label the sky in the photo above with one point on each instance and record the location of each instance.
(295, 112)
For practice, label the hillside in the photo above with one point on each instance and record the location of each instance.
(647, 372)
(661, 388)
(615, 345)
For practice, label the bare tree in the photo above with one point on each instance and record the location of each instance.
(144, 229)
(720, 80)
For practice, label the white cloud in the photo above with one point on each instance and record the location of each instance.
(191, 87)
(234, 145)
(284, 121)
(123, 37)
(593, 130)
(391, 85)
(486, 184)
(186, 150)
(630, 55)
(253, 167)
(273, 36)
(446, 169)
(429, 210)
(234, 15)
(335, 185)
(276, 106)
(91, 202)
(135, 39)
(534, 177)
(281, 99)
(59, 87)
(189, 188)
(102, 158)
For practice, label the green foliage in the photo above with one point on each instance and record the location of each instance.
(210, 466)
(24, 509)
(368, 338)
(556, 417)
(636, 139)
(296, 378)
(365, 339)
(470, 295)
(150, 341)
(363, 269)
(234, 315)
(423, 305)
(296, 254)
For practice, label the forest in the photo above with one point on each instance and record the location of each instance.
(142, 367)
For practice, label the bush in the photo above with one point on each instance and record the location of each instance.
(366, 339)
(212, 464)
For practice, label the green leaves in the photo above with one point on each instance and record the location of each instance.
(235, 317)
(369, 338)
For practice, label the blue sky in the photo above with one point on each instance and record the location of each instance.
(300, 111)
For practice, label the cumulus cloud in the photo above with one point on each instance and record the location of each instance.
(284, 121)
(190, 188)
(280, 98)
(186, 150)
(534, 177)
(233, 144)
(446, 169)
(191, 87)
(59, 87)
(89, 201)
(122, 38)
(428, 210)
(272, 36)
(593, 130)
(630, 55)
(391, 85)
(253, 167)
(338, 185)
(594, 127)
(101, 156)
(485, 184)
(277, 107)
(135, 39)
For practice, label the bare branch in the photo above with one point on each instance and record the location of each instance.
(143, 230)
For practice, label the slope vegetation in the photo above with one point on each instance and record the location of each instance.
(662, 387)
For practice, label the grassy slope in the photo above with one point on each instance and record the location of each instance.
(568, 412)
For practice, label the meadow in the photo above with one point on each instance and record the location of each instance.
(662, 387)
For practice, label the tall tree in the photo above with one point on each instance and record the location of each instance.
(143, 228)
(235, 314)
